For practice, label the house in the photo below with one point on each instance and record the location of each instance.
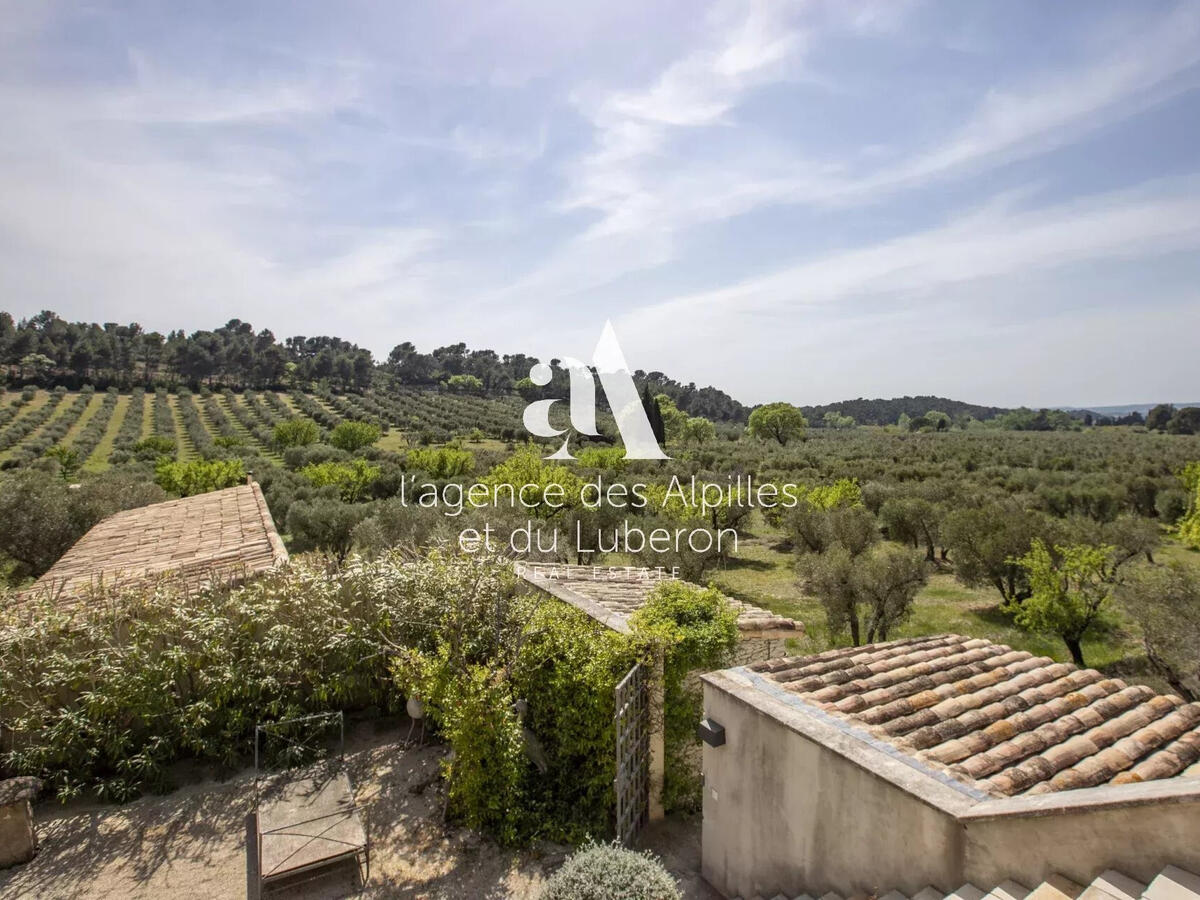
(939, 762)
(218, 537)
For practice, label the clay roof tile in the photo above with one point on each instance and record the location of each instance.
(1001, 720)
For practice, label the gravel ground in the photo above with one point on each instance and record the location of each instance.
(197, 841)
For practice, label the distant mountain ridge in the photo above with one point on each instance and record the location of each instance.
(1126, 409)
(886, 412)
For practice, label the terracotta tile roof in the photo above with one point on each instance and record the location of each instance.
(613, 593)
(223, 535)
(1001, 720)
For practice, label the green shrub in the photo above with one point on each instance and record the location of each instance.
(441, 462)
(352, 479)
(526, 467)
(297, 432)
(199, 476)
(41, 517)
(67, 458)
(567, 671)
(465, 384)
(108, 700)
(493, 646)
(351, 435)
(324, 524)
(610, 872)
(1189, 525)
(611, 459)
(697, 629)
(474, 711)
(154, 446)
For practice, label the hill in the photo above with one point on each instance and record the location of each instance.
(1125, 410)
(886, 412)
(48, 351)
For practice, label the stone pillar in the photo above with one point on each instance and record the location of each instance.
(658, 753)
(18, 840)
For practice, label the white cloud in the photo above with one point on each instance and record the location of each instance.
(1157, 219)
(1056, 108)
(648, 190)
(875, 303)
(634, 127)
(434, 179)
(102, 217)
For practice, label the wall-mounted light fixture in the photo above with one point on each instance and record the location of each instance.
(711, 732)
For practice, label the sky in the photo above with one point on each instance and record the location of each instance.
(993, 201)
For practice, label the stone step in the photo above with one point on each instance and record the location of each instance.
(1173, 884)
(1112, 885)
(1056, 887)
(1010, 890)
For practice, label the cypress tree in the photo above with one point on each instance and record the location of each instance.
(653, 415)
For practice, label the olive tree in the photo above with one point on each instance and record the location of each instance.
(867, 594)
(913, 520)
(325, 524)
(698, 430)
(674, 419)
(352, 435)
(1165, 601)
(985, 543)
(296, 432)
(781, 422)
(41, 516)
(816, 530)
(1070, 587)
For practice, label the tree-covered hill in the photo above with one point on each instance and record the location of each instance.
(47, 351)
(886, 412)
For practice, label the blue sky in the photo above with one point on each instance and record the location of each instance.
(998, 202)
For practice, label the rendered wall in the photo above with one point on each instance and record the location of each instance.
(1155, 828)
(785, 814)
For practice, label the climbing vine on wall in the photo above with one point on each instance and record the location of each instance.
(521, 688)
(697, 631)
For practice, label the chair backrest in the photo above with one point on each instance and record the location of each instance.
(285, 745)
